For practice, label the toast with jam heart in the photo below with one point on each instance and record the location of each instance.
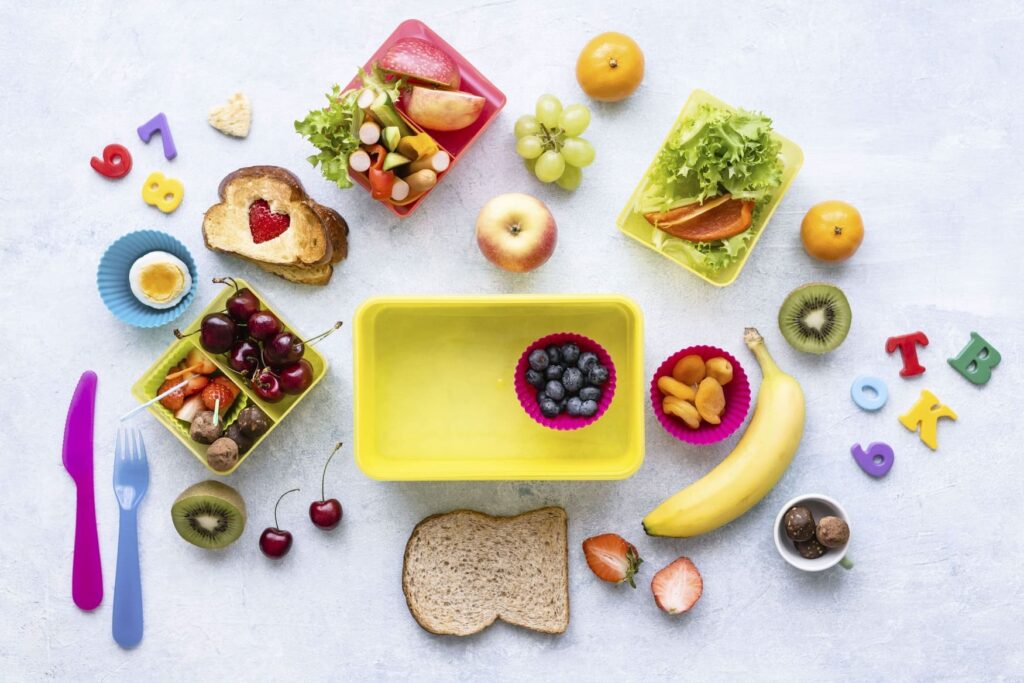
(266, 217)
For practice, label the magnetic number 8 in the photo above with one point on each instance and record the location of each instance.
(163, 193)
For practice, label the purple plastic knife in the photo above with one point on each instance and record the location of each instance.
(87, 576)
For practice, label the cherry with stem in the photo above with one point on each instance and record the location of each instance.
(274, 541)
(326, 512)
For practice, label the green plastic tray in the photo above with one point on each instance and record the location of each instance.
(146, 386)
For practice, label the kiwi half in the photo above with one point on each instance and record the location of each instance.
(815, 318)
(209, 514)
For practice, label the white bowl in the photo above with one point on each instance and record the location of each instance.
(820, 506)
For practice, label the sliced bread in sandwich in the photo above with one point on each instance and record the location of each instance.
(266, 216)
(337, 232)
(464, 569)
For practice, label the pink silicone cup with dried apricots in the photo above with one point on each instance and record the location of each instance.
(527, 393)
(737, 399)
(455, 142)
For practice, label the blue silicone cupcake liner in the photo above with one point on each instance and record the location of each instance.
(115, 290)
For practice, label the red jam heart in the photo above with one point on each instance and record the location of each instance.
(264, 224)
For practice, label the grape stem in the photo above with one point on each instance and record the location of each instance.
(552, 138)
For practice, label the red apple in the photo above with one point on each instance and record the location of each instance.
(516, 232)
(443, 109)
(420, 60)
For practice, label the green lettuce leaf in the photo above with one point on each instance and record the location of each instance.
(714, 152)
(334, 130)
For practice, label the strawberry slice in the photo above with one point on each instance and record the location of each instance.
(678, 586)
(196, 383)
(612, 558)
(173, 400)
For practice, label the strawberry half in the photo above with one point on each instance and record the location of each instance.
(678, 586)
(612, 558)
(215, 390)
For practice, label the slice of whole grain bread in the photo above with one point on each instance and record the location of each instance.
(464, 569)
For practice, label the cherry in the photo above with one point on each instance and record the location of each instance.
(283, 348)
(242, 304)
(263, 325)
(326, 514)
(274, 541)
(244, 357)
(297, 377)
(216, 333)
(286, 347)
(267, 386)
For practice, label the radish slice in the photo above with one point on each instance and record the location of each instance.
(365, 98)
(400, 190)
(359, 161)
(369, 133)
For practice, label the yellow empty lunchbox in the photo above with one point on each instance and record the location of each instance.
(434, 389)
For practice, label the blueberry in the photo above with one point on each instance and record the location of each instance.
(539, 360)
(570, 353)
(554, 372)
(588, 408)
(572, 380)
(549, 408)
(587, 360)
(554, 354)
(555, 390)
(562, 404)
(535, 378)
(597, 376)
(574, 406)
(590, 394)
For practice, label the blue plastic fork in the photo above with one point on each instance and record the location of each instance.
(131, 479)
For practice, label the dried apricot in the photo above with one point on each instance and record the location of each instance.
(684, 410)
(710, 401)
(689, 369)
(720, 369)
(669, 386)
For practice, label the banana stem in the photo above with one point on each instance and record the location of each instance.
(755, 342)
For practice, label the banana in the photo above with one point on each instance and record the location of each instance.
(752, 469)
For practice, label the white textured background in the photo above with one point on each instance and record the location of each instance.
(908, 110)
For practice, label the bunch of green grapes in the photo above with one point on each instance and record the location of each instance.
(550, 142)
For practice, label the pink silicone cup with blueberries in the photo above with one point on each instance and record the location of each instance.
(737, 399)
(527, 393)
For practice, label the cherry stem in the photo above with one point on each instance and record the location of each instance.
(179, 335)
(278, 503)
(323, 496)
(226, 281)
(322, 335)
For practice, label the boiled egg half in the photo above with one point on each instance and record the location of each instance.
(159, 279)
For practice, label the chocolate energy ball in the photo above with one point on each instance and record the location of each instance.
(222, 454)
(832, 532)
(241, 439)
(811, 549)
(799, 523)
(253, 422)
(203, 430)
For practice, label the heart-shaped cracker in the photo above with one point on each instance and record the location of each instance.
(233, 118)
